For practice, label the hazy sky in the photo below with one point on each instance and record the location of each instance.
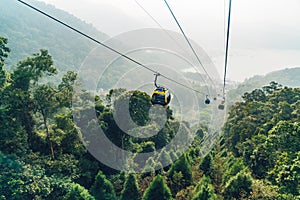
(265, 34)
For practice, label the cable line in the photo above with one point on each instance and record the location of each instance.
(170, 36)
(144, 9)
(226, 54)
(188, 41)
(106, 46)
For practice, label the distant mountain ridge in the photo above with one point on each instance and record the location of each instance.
(28, 31)
(287, 77)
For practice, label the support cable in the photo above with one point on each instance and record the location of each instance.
(226, 53)
(188, 41)
(106, 46)
(170, 36)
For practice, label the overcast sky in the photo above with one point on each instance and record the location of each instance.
(265, 34)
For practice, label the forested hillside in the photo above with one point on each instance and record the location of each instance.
(43, 156)
(28, 32)
(262, 134)
(287, 77)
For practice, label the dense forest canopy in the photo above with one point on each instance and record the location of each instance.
(43, 154)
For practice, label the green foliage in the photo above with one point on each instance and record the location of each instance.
(89, 167)
(148, 146)
(18, 101)
(13, 135)
(118, 180)
(46, 104)
(182, 165)
(264, 131)
(4, 50)
(158, 190)
(264, 191)
(28, 31)
(102, 189)
(205, 190)
(286, 173)
(139, 105)
(45, 100)
(42, 153)
(66, 89)
(10, 169)
(32, 69)
(233, 169)
(131, 190)
(180, 174)
(285, 135)
(207, 165)
(77, 192)
(238, 186)
(255, 95)
(67, 137)
(65, 164)
(23, 181)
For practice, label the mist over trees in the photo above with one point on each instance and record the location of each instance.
(29, 31)
(42, 155)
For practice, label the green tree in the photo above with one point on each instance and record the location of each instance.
(118, 181)
(139, 105)
(4, 50)
(65, 89)
(218, 171)
(46, 104)
(255, 95)
(284, 112)
(64, 127)
(233, 169)
(130, 191)
(263, 190)
(284, 136)
(32, 69)
(27, 73)
(102, 189)
(77, 192)
(162, 138)
(239, 186)
(148, 146)
(272, 87)
(10, 174)
(207, 165)
(19, 180)
(180, 174)
(286, 173)
(264, 131)
(205, 190)
(158, 190)
(182, 165)
(17, 103)
(14, 139)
